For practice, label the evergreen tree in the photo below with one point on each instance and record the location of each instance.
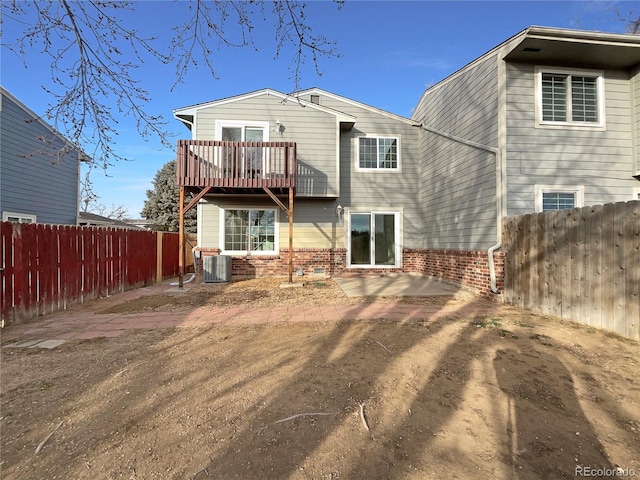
(161, 206)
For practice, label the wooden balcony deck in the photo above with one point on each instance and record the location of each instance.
(236, 167)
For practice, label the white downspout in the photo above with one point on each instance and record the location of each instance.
(498, 154)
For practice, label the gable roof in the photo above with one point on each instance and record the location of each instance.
(186, 114)
(355, 103)
(94, 220)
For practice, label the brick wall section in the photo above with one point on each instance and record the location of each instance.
(467, 268)
(332, 260)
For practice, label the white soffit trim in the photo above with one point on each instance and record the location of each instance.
(535, 32)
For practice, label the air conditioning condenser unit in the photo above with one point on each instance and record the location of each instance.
(216, 269)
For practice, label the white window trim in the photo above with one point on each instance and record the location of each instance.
(600, 125)
(398, 140)
(21, 216)
(241, 124)
(397, 233)
(249, 253)
(577, 190)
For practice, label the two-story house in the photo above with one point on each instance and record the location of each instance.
(354, 169)
(39, 168)
(549, 119)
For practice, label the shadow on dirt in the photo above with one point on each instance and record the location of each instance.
(447, 388)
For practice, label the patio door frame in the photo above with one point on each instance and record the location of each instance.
(244, 126)
(397, 215)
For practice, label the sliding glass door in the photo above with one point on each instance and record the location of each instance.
(373, 239)
(244, 162)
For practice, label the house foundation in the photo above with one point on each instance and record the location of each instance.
(469, 268)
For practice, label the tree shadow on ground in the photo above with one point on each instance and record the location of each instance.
(445, 391)
(414, 411)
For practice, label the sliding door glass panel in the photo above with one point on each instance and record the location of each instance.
(231, 134)
(253, 155)
(385, 239)
(229, 154)
(373, 239)
(360, 239)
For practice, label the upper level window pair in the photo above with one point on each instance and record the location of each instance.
(570, 98)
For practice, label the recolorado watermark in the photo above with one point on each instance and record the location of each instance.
(583, 471)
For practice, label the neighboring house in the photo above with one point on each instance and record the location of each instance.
(86, 219)
(39, 168)
(548, 119)
(141, 223)
(555, 116)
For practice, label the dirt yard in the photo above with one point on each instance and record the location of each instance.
(476, 391)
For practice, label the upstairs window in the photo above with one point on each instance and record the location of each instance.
(570, 98)
(378, 153)
(18, 217)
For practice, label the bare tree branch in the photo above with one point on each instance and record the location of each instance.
(631, 20)
(94, 57)
(87, 64)
(292, 29)
(193, 39)
(633, 25)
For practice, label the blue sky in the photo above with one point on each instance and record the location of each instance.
(390, 52)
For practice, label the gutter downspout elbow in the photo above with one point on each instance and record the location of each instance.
(492, 268)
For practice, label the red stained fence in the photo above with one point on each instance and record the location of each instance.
(46, 268)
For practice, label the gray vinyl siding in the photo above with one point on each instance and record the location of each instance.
(458, 182)
(34, 178)
(316, 224)
(601, 161)
(313, 131)
(364, 190)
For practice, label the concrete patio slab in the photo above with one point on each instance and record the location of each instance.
(397, 286)
(39, 343)
(26, 344)
(48, 344)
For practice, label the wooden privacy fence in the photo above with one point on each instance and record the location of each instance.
(581, 264)
(46, 268)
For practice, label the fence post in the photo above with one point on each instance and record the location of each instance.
(159, 258)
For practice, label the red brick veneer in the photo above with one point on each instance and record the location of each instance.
(469, 268)
(464, 267)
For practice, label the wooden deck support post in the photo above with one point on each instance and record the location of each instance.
(290, 213)
(181, 240)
